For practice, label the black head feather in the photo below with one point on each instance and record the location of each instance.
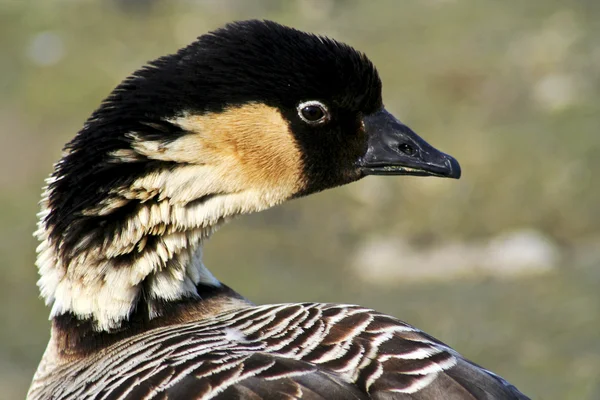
(246, 61)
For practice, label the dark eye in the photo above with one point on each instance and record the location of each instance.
(312, 112)
(406, 149)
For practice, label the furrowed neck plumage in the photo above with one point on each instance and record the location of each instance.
(127, 231)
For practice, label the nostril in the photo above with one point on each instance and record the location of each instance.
(406, 149)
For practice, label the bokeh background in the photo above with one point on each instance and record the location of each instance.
(504, 265)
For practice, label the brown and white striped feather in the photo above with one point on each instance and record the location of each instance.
(287, 351)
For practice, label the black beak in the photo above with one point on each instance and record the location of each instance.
(394, 149)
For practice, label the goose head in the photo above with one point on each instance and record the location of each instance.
(246, 117)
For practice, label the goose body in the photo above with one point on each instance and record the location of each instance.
(243, 119)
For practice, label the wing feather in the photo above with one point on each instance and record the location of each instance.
(286, 351)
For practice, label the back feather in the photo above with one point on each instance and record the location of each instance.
(286, 351)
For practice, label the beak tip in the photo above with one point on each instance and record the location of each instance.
(454, 170)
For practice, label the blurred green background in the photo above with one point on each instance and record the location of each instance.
(503, 265)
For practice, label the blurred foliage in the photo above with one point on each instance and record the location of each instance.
(511, 88)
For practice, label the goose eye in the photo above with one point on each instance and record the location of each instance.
(313, 112)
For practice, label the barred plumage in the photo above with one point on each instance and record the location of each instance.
(309, 351)
(247, 117)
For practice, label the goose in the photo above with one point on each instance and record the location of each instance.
(246, 117)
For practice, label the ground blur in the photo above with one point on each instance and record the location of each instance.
(504, 265)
